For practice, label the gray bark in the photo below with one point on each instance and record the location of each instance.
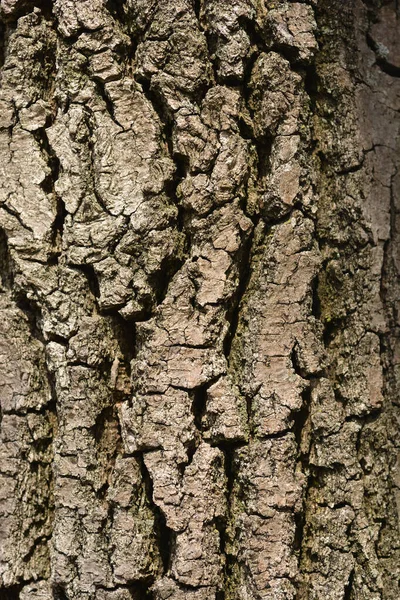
(199, 350)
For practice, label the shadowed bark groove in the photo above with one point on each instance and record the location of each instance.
(199, 334)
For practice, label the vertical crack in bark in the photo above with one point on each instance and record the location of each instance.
(52, 161)
(91, 277)
(244, 260)
(102, 92)
(48, 186)
(3, 32)
(6, 270)
(59, 593)
(165, 535)
(348, 590)
(223, 525)
(199, 405)
(108, 443)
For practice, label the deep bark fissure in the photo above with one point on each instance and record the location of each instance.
(117, 9)
(91, 277)
(7, 272)
(165, 535)
(59, 593)
(381, 60)
(2, 43)
(349, 587)
(102, 92)
(233, 313)
(58, 231)
(11, 593)
(52, 161)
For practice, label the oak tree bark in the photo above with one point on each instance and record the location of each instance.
(199, 246)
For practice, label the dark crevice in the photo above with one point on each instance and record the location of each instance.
(138, 590)
(181, 171)
(117, 9)
(199, 401)
(191, 448)
(255, 34)
(249, 414)
(54, 337)
(59, 593)
(33, 313)
(381, 59)
(81, 363)
(316, 302)
(263, 147)
(351, 169)
(222, 524)
(199, 405)
(331, 327)
(299, 521)
(275, 436)
(290, 53)
(245, 128)
(107, 434)
(48, 186)
(52, 160)
(161, 109)
(348, 595)
(89, 272)
(123, 229)
(244, 261)
(165, 535)
(125, 333)
(160, 279)
(101, 90)
(7, 275)
(171, 264)
(300, 419)
(11, 593)
(141, 590)
(58, 231)
(246, 88)
(198, 7)
(42, 540)
(294, 359)
(3, 34)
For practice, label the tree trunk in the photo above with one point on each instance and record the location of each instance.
(200, 220)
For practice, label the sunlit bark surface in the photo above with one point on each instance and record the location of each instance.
(199, 352)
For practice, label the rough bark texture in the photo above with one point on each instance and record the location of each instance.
(199, 244)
